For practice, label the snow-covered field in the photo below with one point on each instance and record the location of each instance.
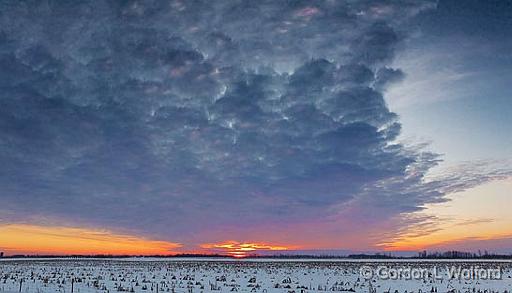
(299, 276)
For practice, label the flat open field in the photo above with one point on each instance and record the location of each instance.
(221, 275)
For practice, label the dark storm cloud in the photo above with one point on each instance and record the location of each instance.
(386, 76)
(179, 116)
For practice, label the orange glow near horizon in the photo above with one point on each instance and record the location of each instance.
(474, 215)
(242, 249)
(474, 219)
(442, 244)
(51, 240)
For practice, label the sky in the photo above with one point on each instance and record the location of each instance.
(266, 127)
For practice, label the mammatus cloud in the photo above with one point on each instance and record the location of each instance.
(193, 120)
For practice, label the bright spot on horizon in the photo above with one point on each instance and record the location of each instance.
(243, 249)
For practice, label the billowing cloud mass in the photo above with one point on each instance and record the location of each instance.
(193, 120)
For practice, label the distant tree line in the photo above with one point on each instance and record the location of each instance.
(462, 254)
(421, 255)
(117, 256)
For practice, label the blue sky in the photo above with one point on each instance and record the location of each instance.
(457, 92)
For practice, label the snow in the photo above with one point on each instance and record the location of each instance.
(247, 275)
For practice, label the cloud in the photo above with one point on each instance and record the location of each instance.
(414, 221)
(238, 249)
(183, 119)
(37, 239)
(387, 76)
(436, 73)
(475, 244)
